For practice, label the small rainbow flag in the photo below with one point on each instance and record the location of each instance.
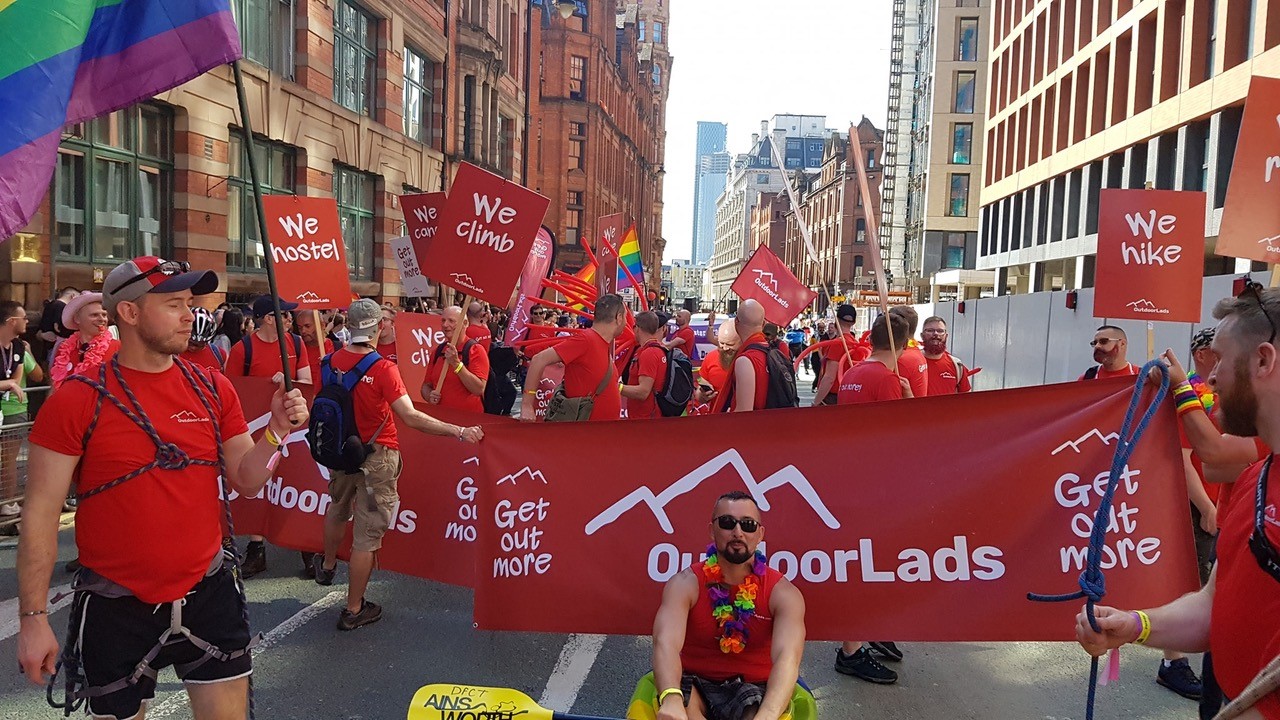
(587, 275)
(629, 255)
(66, 61)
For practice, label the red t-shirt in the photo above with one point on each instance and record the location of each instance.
(586, 358)
(835, 351)
(945, 377)
(266, 358)
(205, 358)
(373, 396)
(701, 654)
(314, 358)
(1128, 370)
(388, 351)
(1244, 629)
(690, 345)
(725, 401)
(453, 394)
(650, 362)
(711, 371)
(913, 367)
(481, 334)
(868, 381)
(157, 533)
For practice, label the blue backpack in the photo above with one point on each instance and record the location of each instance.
(336, 442)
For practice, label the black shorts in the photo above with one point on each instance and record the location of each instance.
(117, 633)
(725, 700)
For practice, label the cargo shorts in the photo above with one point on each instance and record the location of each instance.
(368, 497)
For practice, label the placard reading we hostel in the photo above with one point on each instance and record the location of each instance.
(305, 241)
(1150, 255)
(486, 231)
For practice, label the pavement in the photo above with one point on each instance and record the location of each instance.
(307, 669)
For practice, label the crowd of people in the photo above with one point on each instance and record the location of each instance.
(146, 346)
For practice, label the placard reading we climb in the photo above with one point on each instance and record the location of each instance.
(306, 245)
(486, 231)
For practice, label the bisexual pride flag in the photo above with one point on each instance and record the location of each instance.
(66, 61)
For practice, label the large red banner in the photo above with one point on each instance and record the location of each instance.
(486, 230)
(307, 249)
(609, 230)
(417, 336)
(422, 219)
(536, 267)
(883, 540)
(1150, 255)
(768, 281)
(1251, 217)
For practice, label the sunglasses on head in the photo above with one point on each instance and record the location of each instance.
(729, 522)
(1255, 289)
(168, 267)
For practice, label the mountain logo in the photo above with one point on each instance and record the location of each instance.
(1075, 444)
(1143, 305)
(311, 298)
(1271, 243)
(186, 416)
(767, 277)
(466, 281)
(527, 473)
(787, 476)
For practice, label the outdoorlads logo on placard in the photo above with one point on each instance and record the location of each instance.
(1143, 305)
(465, 281)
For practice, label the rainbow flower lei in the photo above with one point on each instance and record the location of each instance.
(733, 611)
(1203, 391)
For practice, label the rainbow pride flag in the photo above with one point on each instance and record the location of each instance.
(629, 255)
(66, 61)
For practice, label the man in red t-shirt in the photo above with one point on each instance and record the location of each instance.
(947, 375)
(369, 497)
(304, 321)
(199, 351)
(747, 387)
(1110, 346)
(588, 362)
(684, 339)
(694, 677)
(151, 546)
(646, 372)
(264, 349)
(911, 363)
(478, 325)
(387, 333)
(833, 356)
(464, 367)
(1237, 613)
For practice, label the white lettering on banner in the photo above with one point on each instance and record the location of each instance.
(425, 215)
(773, 294)
(305, 252)
(298, 226)
(1150, 253)
(288, 497)
(478, 234)
(1143, 305)
(427, 341)
(465, 529)
(521, 538)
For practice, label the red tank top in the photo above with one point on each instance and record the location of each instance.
(701, 653)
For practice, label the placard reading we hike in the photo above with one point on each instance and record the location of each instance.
(1150, 255)
(305, 241)
(486, 231)
(1251, 217)
(766, 279)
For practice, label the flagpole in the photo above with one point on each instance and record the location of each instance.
(247, 131)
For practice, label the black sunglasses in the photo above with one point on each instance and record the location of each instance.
(168, 267)
(729, 522)
(1263, 551)
(1255, 288)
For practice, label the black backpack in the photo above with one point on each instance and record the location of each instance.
(494, 398)
(336, 442)
(677, 393)
(782, 378)
(247, 343)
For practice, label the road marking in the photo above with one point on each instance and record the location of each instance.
(576, 658)
(175, 702)
(9, 610)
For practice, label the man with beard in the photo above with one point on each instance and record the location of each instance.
(704, 668)
(947, 375)
(151, 545)
(1237, 613)
(1110, 346)
(304, 321)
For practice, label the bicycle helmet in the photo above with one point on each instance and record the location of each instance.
(203, 328)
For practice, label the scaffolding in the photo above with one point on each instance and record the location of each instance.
(893, 133)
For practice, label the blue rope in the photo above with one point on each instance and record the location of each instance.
(1093, 584)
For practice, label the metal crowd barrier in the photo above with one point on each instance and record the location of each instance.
(13, 454)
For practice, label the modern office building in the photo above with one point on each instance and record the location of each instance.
(710, 170)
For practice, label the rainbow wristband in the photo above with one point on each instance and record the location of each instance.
(1145, 622)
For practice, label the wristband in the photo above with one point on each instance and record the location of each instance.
(530, 392)
(271, 437)
(1184, 386)
(457, 368)
(662, 696)
(33, 613)
(1145, 632)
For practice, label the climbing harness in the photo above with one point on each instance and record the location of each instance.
(1093, 584)
(87, 584)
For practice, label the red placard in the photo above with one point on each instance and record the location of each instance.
(939, 556)
(1150, 255)
(536, 267)
(417, 336)
(305, 242)
(422, 219)
(610, 228)
(486, 231)
(768, 281)
(1251, 216)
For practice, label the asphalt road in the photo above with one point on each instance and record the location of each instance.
(307, 669)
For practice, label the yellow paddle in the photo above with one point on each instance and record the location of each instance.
(450, 701)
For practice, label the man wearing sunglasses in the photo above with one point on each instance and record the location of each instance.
(703, 668)
(1237, 613)
(1110, 346)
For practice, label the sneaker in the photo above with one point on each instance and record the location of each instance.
(308, 565)
(887, 650)
(865, 667)
(369, 613)
(1180, 678)
(10, 510)
(255, 560)
(322, 576)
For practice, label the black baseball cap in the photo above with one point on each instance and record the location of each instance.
(263, 306)
(847, 313)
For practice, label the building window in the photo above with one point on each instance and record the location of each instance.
(958, 202)
(419, 75)
(967, 40)
(353, 58)
(861, 230)
(113, 193)
(762, 179)
(871, 159)
(657, 32)
(577, 145)
(953, 251)
(573, 217)
(266, 33)
(577, 77)
(961, 143)
(657, 75)
(641, 26)
(276, 168)
(354, 193)
(964, 91)
(506, 148)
